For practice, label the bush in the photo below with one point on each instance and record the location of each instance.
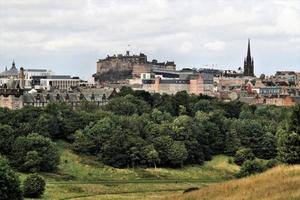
(288, 147)
(250, 167)
(34, 186)
(242, 155)
(34, 153)
(271, 163)
(9, 182)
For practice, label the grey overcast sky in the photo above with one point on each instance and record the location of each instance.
(68, 36)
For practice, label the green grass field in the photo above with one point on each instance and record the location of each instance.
(82, 177)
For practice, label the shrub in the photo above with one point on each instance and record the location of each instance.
(250, 167)
(9, 182)
(288, 147)
(34, 186)
(271, 163)
(34, 153)
(242, 155)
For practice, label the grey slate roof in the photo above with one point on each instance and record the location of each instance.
(84, 95)
(13, 71)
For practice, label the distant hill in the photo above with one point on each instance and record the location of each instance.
(282, 182)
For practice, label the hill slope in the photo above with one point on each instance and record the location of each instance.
(282, 182)
(83, 177)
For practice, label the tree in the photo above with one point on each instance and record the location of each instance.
(203, 105)
(185, 130)
(151, 155)
(250, 167)
(92, 139)
(34, 186)
(9, 182)
(32, 161)
(232, 143)
(182, 102)
(167, 104)
(125, 91)
(182, 110)
(250, 132)
(158, 116)
(232, 109)
(267, 146)
(34, 152)
(144, 95)
(62, 119)
(294, 119)
(288, 147)
(48, 125)
(242, 155)
(163, 144)
(127, 105)
(177, 154)
(7, 138)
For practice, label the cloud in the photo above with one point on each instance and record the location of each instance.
(190, 32)
(215, 45)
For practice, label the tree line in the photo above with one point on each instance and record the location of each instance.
(137, 128)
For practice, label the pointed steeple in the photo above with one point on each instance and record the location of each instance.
(249, 51)
(13, 64)
(248, 63)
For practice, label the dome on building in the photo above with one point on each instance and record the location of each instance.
(13, 71)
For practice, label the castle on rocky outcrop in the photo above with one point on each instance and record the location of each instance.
(120, 67)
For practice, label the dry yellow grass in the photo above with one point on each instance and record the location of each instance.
(280, 183)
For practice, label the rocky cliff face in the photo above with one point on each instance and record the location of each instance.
(113, 70)
(117, 69)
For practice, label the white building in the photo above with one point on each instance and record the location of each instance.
(31, 75)
(60, 82)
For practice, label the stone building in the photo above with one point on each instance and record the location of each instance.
(10, 94)
(120, 67)
(60, 82)
(12, 72)
(16, 98)
(198, 83)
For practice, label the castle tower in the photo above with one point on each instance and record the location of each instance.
(248, 63)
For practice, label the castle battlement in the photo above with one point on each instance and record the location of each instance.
(120, 67)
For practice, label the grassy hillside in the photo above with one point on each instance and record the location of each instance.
(82, 177)
(282, 182)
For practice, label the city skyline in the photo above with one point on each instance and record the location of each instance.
(69, 38)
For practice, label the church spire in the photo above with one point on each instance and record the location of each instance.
(13, 64)
(249, 51)
(248, 63)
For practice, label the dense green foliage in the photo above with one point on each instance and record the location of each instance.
(9, 182)
(34, 186)
(141, 129)
(243, 155)
(250, 167)
(34, 153)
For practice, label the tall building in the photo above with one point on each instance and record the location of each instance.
(248, 63)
